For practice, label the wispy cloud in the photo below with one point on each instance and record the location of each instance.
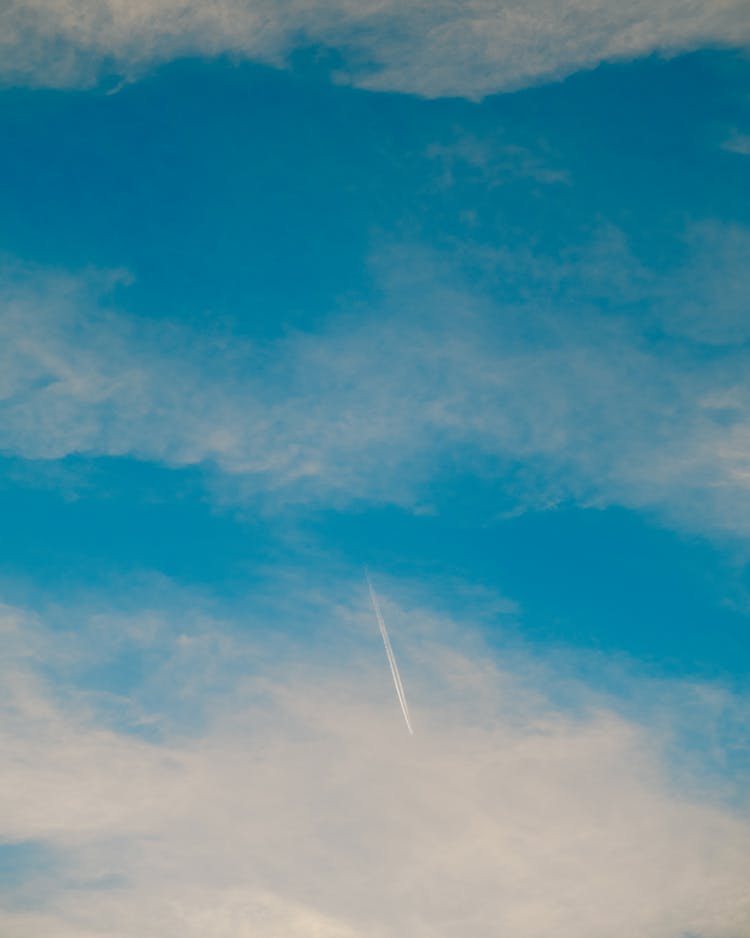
(425, 47)
(737, 143)
(584, 405)
(300, 807)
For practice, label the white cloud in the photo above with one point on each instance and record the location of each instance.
(304, 808)
(428, 47)
(546, 396)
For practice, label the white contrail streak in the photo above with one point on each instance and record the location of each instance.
(389, 653)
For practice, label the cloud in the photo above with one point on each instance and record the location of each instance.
(540, 393)
(427, 47)
(708, 300)
(302, 806)
(737, 143)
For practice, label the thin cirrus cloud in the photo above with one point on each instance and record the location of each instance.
(427, 48)
(369, 407)
(297, 804)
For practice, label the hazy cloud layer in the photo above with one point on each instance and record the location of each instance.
(428, 47)
(543, 396)
(303, 807)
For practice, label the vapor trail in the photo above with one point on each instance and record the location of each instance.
(389, 653)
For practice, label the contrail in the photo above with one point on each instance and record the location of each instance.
(389, 653)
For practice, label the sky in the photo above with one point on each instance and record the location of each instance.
(457, 293)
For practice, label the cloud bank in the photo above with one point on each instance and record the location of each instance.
(427, 47)
(302, 806)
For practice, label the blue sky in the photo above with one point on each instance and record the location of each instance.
(458, 293)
